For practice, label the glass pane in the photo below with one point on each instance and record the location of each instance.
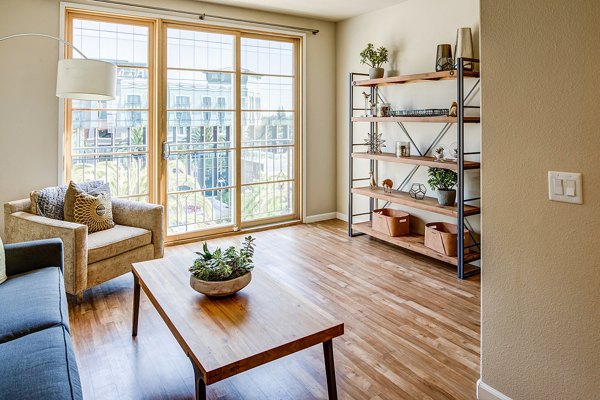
(198, 171)
(268, 57)
(199, 50)
(200, 90)
(267, 200)
(267, 128)
(199, 210)
(125, 45)
(199, 130)
(266, 165)
(267, 93)
(109, 131)
(127, 174)
(132, 91)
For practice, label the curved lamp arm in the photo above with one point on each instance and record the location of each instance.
(16, 35)
(81, 79)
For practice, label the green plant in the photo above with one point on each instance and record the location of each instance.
(223, 265)
(372, 57)
(440, 178)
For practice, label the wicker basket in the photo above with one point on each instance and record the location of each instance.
(443, 237)
(391, 222)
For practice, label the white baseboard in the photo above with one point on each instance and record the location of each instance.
(309, 219)
(343, 217)
(486, 392)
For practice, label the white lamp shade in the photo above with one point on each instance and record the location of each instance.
(85, 79)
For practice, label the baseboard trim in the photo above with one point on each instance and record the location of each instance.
(486, 392)
(309, 219)
(343, 217)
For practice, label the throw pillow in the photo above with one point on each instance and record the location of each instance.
(95, 211)
(2, 263)
(49, 202)
(75, 189)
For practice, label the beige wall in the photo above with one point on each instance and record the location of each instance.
(411, 31)
(541, 268)
(29, 138)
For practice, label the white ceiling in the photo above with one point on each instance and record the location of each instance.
(332, 10)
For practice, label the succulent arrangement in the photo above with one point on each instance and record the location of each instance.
(223, 265)
(373, 57)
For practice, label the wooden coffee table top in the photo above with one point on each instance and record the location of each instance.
(223, 337)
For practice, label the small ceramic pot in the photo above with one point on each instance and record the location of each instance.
(220, 288)
(375, 73)
(446, 197)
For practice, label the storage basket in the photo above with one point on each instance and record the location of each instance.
(391, 222)
(443, 237)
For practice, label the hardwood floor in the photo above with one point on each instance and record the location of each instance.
(412, 328)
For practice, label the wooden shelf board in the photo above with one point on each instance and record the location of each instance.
(414, 242)
(414, 160)
(424, 77)
(403, 198)
(440, 119)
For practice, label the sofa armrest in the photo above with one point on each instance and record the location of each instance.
(28, 256)
(23, 227)
(142, 215)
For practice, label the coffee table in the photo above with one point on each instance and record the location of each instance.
(226, 336)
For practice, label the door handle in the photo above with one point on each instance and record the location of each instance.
(166, 150)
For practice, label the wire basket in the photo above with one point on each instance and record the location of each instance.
(428, 112)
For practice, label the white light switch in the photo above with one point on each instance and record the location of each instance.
(565, 187)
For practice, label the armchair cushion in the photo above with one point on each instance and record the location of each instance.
(118, 240)
(31, 302)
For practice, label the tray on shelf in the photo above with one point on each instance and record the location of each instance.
(427, 112)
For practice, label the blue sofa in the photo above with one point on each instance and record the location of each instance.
(36, 355)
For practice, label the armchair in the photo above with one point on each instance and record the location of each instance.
(94, 258)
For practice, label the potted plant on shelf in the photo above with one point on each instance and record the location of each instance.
(374, 58)
(222, 272)
(443, 181)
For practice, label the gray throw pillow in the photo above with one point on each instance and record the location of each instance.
(49, 202)
(93, 188)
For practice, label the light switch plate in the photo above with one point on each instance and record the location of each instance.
(565, 187)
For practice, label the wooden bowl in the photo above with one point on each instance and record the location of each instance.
(220, 288)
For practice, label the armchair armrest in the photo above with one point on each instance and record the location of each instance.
(142, 215)
(23, 227)
(27, 256)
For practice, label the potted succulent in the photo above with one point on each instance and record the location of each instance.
(374, 58)
(443, 180)
(222, 272)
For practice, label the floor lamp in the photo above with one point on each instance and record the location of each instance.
(80, 78)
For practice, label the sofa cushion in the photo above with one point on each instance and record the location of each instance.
(118, 240)
(40, 366)
(74, 189)
(31, 302)
(49, 202)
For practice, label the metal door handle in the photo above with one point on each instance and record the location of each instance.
(166, 150)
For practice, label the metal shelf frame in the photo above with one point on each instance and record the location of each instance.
(462, 100)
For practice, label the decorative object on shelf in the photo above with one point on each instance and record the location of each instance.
(443, 238)
(453, 149)
(443, 59)
(383, 109)
(375, 143)
(443, 181)
(417, 191)
(374, 58)
(428, 112)
(372, 181)
(368, 104)
(222, 272)
(453, 112)
(387, 185)
(464, 47)
(402, 149)
(438, 153)
(391, 222)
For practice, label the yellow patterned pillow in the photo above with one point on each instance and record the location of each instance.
(95, 211)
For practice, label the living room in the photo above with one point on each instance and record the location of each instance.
(155, 152)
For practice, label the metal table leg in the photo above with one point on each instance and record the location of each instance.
(199, 385)
(330, 369)
(136, 304)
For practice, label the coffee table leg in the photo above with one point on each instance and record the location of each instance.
(330, 369)
(136, 304)
(199, 384)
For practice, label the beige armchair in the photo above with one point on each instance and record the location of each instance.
(91, 259)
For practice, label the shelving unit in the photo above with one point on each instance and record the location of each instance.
(414, 241)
